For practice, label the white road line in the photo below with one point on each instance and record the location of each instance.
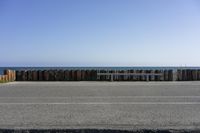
(111, 103)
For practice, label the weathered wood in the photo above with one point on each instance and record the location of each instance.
(66, 75)
(170, 75)
(35, 75)
(194, 75)
(40, 75)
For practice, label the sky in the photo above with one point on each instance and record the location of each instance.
(99, 33)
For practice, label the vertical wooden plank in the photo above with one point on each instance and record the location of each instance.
(179, 75)
(94, 75)
(198, 74)
(46, 75)
(156, 77)
(51, 75)
(194, 75)
(124, 76)
(78, 75)
(170, 75)
(103, 77)
(185, 75)
(166, 76)
(3, 78)
(40, 75)
(29, 75)
(134, 78)
(56, 75)
(61, 75)
(14, 75)
(148, 77)
(188, 76)
(18, 76)
(162, 75)
(24, 75)
(6, 78)
(142, 77)
(66, 75)
(72, 75)
(11, 76)
(35, 75)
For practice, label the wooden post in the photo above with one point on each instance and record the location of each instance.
(198, 74)
(166, 76)
(66, 75)
(61, 75)
(78, 75)
(171, 75)
(24, 75)
(18, 75)
(148, 77)
(29, 75)
(35, 75)
(194, 75)
(46, 75)
(179, 75)
(40, 75)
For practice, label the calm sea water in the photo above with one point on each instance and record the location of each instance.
(95, 68)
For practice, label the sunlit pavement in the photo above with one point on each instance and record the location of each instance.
(100, 105)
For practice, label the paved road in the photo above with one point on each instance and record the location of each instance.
(110, 105)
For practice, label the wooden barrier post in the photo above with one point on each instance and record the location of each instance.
(83, 75)
(18, 76)
(29, 75)
(35, 75)
(66, 75)
(78, 75)
(56, 75)
(72, 75)
(93, 75)
(194, 75)
(179, 75)
(3, 78)
(166, 76)
(162, 75)
(171, 76)
(189, 75)
(40, 75)
(14, 75)
(24, 76)
(62, 75)
(198, 74)
(46, 75)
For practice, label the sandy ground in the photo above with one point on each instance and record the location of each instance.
(100, 105)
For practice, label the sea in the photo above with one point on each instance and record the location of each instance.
(94, 68)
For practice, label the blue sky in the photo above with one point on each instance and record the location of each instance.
(99, 33)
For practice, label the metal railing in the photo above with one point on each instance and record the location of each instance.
(128, 74)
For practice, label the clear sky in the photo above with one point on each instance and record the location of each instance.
(99, 33)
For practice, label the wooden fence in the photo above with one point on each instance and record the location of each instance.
(188, 75)
(94, 75)
(101, 75)
(9, 76)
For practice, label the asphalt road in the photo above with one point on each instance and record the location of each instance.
(100, 105)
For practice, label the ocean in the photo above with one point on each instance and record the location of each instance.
(95, 68)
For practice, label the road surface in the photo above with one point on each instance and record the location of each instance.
(100, 105)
